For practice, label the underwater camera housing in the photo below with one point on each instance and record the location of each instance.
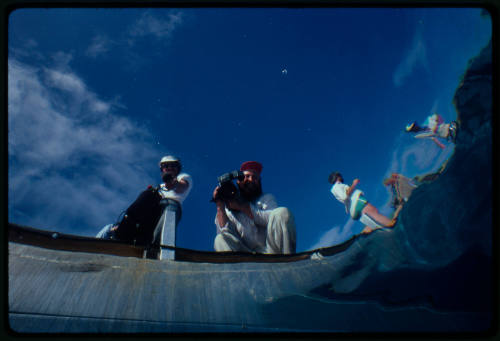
(228, 190)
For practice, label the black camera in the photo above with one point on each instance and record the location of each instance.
(227, 177)
(228, 190)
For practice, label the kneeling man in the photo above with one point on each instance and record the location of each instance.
(253, 222)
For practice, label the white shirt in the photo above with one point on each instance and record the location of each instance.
(339, 191)
(172, 194)
(252, 232)
(433, 122)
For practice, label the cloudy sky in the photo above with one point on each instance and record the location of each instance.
(97, 96)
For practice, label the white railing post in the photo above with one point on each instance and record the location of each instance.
(165, 232)
(168, 234)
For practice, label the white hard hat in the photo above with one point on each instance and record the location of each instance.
(170, 158)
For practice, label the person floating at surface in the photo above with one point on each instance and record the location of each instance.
(357, 206)
(401, 188)
(173, 191)
(252, 221)
(434, 126)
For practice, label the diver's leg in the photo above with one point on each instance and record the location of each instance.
(439, 144)
(397, 211)
(379, 218)
(370, 224)
(367, 230)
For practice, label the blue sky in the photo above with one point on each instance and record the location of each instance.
(97, 96)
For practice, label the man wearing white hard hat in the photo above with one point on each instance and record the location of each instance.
(176, 185)
(173, 191)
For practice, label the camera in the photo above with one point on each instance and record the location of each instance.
(228, 190)
(227, 177)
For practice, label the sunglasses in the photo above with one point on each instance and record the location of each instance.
(169, 164)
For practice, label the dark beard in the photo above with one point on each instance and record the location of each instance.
(251, 193)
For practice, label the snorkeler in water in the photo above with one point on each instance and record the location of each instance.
(434, 127)
(358, 207)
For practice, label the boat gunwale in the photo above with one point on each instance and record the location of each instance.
(67, 242)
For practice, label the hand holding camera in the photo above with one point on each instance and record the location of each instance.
(227, 194)
(227, 191)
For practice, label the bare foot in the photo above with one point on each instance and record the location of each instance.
(367, 230)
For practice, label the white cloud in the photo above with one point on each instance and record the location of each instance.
(159, 25)
(416, 55)
(67, 82)
(335, 235)
(73, 86)
(419, 154)
(100, 45)
(150, 25)
(28, 48)
(414, 157)
(62, 59)
(71, 158)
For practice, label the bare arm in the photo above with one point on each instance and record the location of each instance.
(181, 186)
(221, 216)
(440, 145)
(352, 187)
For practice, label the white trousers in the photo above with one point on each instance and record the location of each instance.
(280, 237)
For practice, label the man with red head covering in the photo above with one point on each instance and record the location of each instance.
(253, 222)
